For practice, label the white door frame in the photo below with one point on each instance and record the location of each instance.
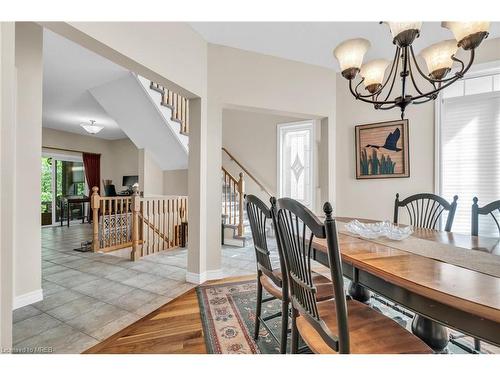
(306, 124)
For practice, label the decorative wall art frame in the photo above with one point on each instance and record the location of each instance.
(382, 150)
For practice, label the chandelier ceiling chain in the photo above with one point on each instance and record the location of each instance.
(438, 57)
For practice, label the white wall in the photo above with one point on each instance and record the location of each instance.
(118, 157)
(374, 199)
(7, 179)
(27, 254)
(175, 182)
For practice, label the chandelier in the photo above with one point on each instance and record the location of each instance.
(438, 57)
(91, 127)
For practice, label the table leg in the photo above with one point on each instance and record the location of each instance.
(433, 334)
(69, 211)
(358, 292)
(61, 211)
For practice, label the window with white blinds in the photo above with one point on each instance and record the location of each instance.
(470, 155)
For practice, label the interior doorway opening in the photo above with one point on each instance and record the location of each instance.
(61, 176)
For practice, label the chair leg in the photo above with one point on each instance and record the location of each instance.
(295, 332)
(284, 326)
(258, 309)
(477, 345)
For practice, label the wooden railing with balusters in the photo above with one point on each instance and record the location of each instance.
(146, 225)
(177, 103)
(232, 200)
(162, 220)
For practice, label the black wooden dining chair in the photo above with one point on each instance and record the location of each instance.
(270, 278)
(425, 209)
(489, 209)
(341, 324)
(258, 215)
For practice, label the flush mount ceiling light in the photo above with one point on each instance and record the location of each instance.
(438, 57)
(91, 128)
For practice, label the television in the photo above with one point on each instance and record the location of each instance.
(129, 181)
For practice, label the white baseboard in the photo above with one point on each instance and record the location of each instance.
(214, 274)
(200, 278)
(28, 298)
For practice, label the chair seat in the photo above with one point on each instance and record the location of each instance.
(323, 285)
(370, 332)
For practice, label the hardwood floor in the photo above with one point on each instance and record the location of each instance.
(174, 328)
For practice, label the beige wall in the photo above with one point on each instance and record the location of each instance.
(7, 179)
(238, 78)
(118, 157)
(124, 161)
(181, 65)
(252, 138)
(178, 64)
(175, 182)
(151, 175)
(27, 249)
(375, 198)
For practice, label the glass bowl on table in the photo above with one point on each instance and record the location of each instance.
(379, 229)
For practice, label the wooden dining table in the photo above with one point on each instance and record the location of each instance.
(460, 298)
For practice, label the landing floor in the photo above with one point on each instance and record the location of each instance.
(90, 296)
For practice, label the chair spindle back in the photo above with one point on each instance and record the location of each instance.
(424, 210)
(297, 226)
(258, 214)
(489, 209)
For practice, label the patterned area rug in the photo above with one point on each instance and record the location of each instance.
(228, 316)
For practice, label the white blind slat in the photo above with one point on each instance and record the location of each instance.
(470, 157)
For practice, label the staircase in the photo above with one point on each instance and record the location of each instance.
(235, 226)
(236, 229)
(174, 107)
(156, 119)
(145, 121)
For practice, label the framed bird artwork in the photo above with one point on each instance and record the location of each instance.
(382, 150)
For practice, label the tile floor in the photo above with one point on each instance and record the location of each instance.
(90, 296)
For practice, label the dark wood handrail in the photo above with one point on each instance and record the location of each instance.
(247, 172)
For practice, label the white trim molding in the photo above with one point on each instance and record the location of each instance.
(28, 298)
(200, 278)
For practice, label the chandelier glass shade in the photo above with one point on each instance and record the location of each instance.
(439, 59)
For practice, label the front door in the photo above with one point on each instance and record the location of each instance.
(295, 161)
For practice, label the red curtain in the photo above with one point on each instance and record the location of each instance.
(92, 166)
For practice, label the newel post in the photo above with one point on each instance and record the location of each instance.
(241, 189)
(136, 207)
(95, 204)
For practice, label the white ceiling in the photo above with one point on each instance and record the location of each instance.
(313, 42)
(69, 71)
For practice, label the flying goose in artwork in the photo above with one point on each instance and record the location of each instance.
(390, 142)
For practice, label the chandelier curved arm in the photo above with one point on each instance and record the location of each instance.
(413, 81)
(395, 63)
(455, 78)
(394, 76)
(460, 73)
(427, 95)
(459, 61)
(379, 106)
(363, 99)
(428, 99)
